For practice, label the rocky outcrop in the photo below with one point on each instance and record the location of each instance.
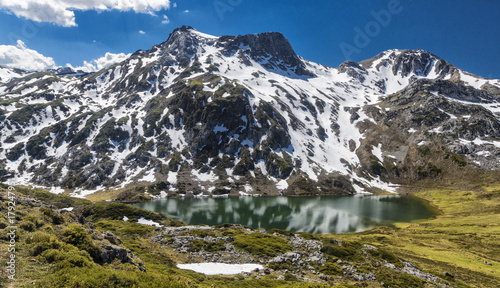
(112, 238)
(272, 48)
(448, 89)
(354, 70)
(420, 63)
(179, 47)
(112, 252)
(309, 260)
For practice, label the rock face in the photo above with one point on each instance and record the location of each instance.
(270, 46)
(112, 252)
(112, 238)
(412, 62)
(179, 47)
(200, 114)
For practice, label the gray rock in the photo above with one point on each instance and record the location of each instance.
(369, 247)
(293, 257)
(111, 252)
(112, 238)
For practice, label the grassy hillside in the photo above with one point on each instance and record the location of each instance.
(56, 248)
(461, 243)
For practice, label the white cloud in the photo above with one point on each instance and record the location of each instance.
(60, 12)
(100, 63)
(165, 20)
(141, 32)
(186, 11)
(21, 57)
(174, 5)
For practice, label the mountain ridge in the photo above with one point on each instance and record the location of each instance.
(245, 115)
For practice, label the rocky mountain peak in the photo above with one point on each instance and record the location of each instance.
(421, 63)
(271, 49)
(201, 114)
(183, 28)
(180, 46)
(411, 62)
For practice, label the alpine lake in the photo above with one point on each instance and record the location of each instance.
(316, 214)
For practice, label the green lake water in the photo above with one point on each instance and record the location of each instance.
(320, 214)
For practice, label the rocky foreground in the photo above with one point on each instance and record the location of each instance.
(62, 241)
(284, 254)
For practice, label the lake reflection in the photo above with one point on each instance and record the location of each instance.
(321, 214)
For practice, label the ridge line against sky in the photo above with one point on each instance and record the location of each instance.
(60, 32)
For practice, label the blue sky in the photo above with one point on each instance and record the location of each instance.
(465, 33)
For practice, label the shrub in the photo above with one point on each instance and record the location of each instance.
(331, 269)
(54, 217)
(53, 255)
(27, 226)
(348, 250)
(288, 265)
(389, 257)
(78, 237)
(397, 280)
(308, 236)
(100, 277)
(290, 277)
(42, 241)
(261, 244)
(75, 259)
(123, 227)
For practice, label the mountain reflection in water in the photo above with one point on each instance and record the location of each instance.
(321, 214)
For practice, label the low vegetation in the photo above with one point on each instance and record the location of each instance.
(462, 245)
(261, 244)
(57, 248)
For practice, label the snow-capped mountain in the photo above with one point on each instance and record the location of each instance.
(244, 114)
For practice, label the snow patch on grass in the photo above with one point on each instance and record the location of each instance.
(209, 268)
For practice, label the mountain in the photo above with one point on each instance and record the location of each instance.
(245, 114)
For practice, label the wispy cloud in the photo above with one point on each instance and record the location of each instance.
(60, 12)
(21, 57)
(165, 20)
(186, 11)
(141, 32)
